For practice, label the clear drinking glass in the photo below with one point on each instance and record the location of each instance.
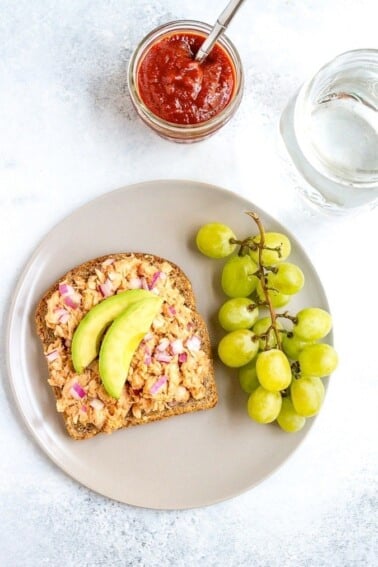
(331, 132)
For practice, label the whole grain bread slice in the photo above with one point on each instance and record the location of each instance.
(190, 382)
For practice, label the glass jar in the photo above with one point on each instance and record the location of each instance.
(185, 133)
(331, 132)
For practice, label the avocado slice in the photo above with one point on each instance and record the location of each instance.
(121, 341)
(87, 337)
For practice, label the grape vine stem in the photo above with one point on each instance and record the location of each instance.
(287, 315)
(261, 275)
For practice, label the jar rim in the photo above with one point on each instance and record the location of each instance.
(146, 43)
(345, 58)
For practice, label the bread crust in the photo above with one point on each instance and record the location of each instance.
(183, 285)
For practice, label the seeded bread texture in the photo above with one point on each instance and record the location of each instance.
(82, 429)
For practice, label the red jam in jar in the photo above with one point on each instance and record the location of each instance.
(180, 90)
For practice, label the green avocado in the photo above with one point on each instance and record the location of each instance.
(88, 334)
(121, 341)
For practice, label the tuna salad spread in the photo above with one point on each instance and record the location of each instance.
(171, 371)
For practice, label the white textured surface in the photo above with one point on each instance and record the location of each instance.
(68, 134)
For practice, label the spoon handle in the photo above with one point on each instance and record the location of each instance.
(221, 24)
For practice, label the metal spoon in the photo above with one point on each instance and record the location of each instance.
(219, 28)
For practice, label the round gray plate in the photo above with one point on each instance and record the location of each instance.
(186, 461)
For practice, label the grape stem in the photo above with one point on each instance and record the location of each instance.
(251, 245)
(287, 315)
(261, 276)
(296, 369)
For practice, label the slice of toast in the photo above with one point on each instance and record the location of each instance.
(171, 372)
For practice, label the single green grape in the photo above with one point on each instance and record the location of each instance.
(288, 419)
(278, 299)
(238, 313)
(248, 377)
(289, 278)
(273, 370)
(261, 327)
(312, 324)
(279, 248)
(264, 406)
(238, 348)
(318, 359)
(214, 240)
(307, 394)
(237, 278)
(293, 345)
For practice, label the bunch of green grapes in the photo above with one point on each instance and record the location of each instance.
(280, 368)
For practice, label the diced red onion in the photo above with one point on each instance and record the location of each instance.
(147, 359)
(177, 347)
(77, 391)
(145, 285)
(65, 289)
(83, 409)
(106, 288)
(63, 315)
(96, 404)
(163, 344)
(135, 283)
(155, 278)
(193, 344)
(155, 290)
(71, 301)
(183, 357)
(171, 310)
(163, 357)
(158, 384)
(53, 355)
